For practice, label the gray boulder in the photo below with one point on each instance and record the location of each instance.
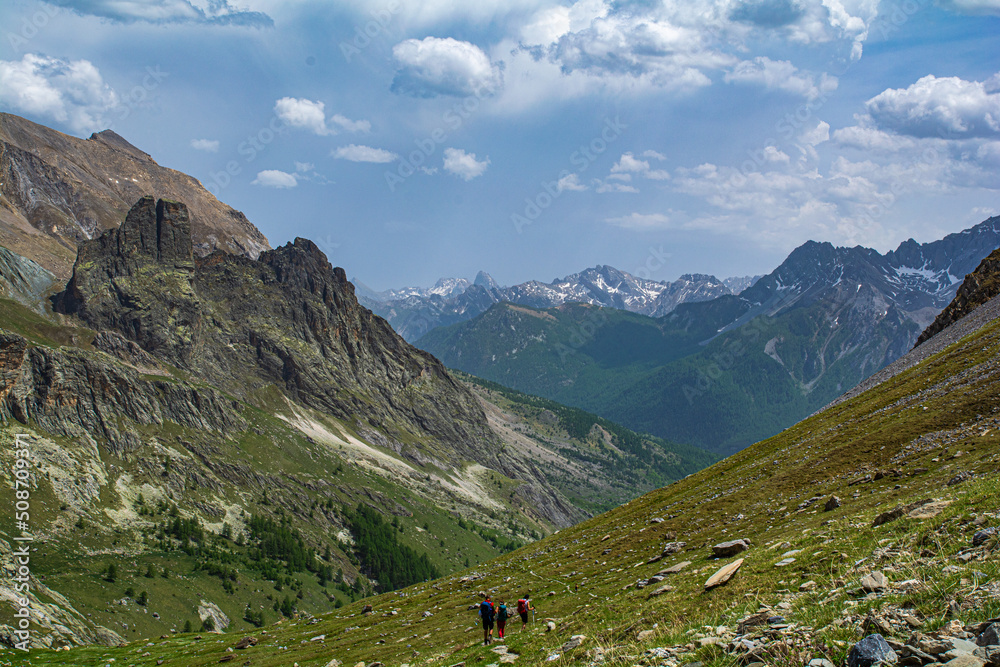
(731, 548)
(870, 651)
(990, 636)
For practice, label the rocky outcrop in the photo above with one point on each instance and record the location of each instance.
(286, 319)
(978, 288)
(22, 279)
(60, 190)
(72, 393)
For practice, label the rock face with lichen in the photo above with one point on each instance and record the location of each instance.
(286, 319)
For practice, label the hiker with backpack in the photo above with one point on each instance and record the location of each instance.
(487, 614)
(502, 616)
(523, 607)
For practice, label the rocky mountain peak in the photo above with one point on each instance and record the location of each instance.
(60, 191)
(116, 141)
(484, 279)
(302, 264)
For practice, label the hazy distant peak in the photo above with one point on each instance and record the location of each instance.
(484, 279)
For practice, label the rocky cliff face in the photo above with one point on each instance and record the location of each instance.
(979, 287)
(91, 396)
(57, 191)
(287, 319)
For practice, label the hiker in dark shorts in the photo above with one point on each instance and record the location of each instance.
(502, 616)
(523, 607)
(487, 614)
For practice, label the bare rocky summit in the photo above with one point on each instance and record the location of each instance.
(58, 190)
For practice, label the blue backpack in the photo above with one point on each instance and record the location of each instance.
(486, 611)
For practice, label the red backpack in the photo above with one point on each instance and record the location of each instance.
(522, 606)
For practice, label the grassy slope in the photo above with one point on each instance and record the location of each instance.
(297, 474)
(85, 508)
(606, 464)
(930, 423)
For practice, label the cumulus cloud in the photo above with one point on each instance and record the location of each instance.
(432, 67)
(214, 12)
(781, 75)
(304, 166)
(307, 114)
(629, 164)
(207, 145)
(69, 92)
(356, 153)
(947, 107)
(302, 113)
(464, 165)
(665, 53)
(273, 178)
(639, 45)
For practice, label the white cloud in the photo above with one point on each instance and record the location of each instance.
(464, 165)
(774, 154)
(638, 46)
(214, 12)
(628, 164)
(70, 92)
(603, 187)
(355, 153)
(310, 115)
(781, 75)
(870, 138)
(302, 113)
(653, 155)
(641, 221)
(948, 107)
(570, 183)
(304, 166)
(349, 125)
(207, 145)
(432, 67)
(273, 178)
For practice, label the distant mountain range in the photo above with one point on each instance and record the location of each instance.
(414, 311)
(725, 372)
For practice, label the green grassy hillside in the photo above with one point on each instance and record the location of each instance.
(677, 377)
(931, 433)
(594, 462)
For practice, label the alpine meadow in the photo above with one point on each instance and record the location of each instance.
(614, 333)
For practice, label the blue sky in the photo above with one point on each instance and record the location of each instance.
(532, 138)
